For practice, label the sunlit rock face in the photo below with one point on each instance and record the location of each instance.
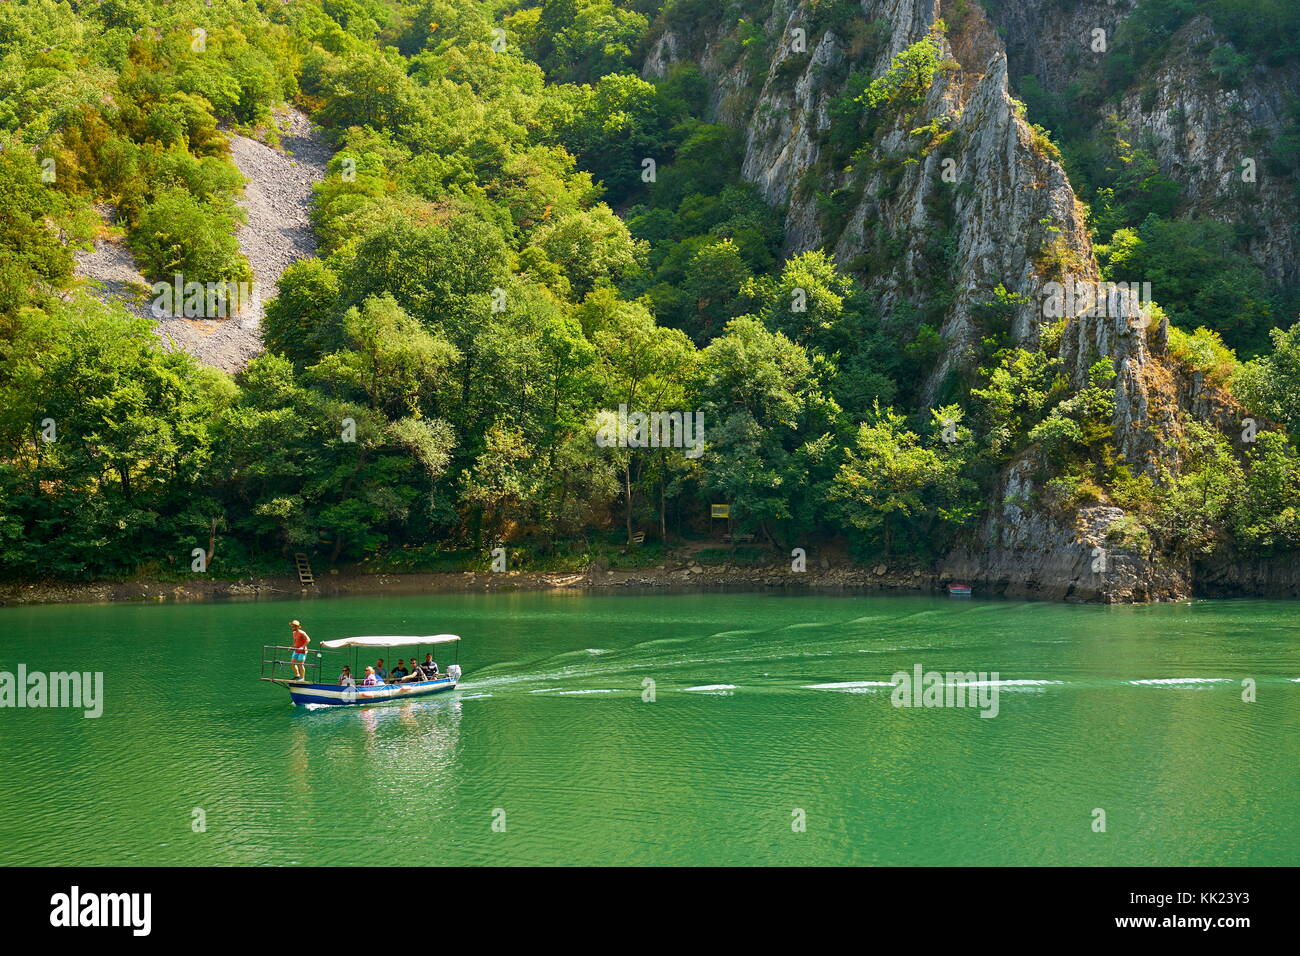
(994, 199)
(999, 199)
(1023, 550)
(1214, 141)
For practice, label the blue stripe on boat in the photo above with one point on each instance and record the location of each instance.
(335, 695)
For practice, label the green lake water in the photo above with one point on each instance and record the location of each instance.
(768, 710)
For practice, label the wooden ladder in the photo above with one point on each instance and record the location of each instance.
(304, 569)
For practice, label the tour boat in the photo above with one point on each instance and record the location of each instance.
(342, 695)
(959, 590)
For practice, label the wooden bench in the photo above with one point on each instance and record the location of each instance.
(737, 538)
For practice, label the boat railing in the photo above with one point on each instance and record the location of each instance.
(271, 659)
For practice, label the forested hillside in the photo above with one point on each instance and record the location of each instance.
(828, 231)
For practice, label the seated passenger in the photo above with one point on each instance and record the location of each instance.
(345, 679)
(416, 672)
(380, 671)
(399, 670)
(430, 666)
(371, 678)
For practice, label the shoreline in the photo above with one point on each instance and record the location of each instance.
(1266, 579)
(690, 578)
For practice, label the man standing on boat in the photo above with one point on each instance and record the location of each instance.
(299, 656)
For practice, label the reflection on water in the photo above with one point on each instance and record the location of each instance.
(667, 728)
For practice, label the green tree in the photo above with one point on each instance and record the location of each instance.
(392, 358)
(590, 247)
(117, 480)
(905, 83)
(30, 251)
(769, 423)
(179, 234)
(1203, 280)
(1192, 507)
(713, 281)
(888, 477)
(297, 323)
(502, 482)
(644, 368)
(1265, 514)
(1270, 385)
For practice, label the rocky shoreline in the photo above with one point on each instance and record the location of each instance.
(691, 577)
(1120, 585)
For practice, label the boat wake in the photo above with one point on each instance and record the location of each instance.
(775, 661)
(1173, 681)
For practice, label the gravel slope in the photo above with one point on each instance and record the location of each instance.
(277, 198)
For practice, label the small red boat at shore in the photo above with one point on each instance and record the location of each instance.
(959, 590)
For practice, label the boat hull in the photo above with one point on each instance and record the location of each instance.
(334, 695)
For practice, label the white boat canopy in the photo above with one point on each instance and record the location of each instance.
(389, 641)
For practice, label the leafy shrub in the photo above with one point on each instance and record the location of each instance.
(1065, 493)
(178, 233)
(1129, 534)
(1203, 351)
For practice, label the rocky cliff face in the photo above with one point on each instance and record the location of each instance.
(1213, 139)
(987, 193)
(1022, 550)
(1055, 41)
(952, 201)
(1216, 142)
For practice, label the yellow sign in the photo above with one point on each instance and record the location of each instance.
(722, 511)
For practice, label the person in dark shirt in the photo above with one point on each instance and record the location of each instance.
(416, 672)
(430, 666)
(399, 671)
